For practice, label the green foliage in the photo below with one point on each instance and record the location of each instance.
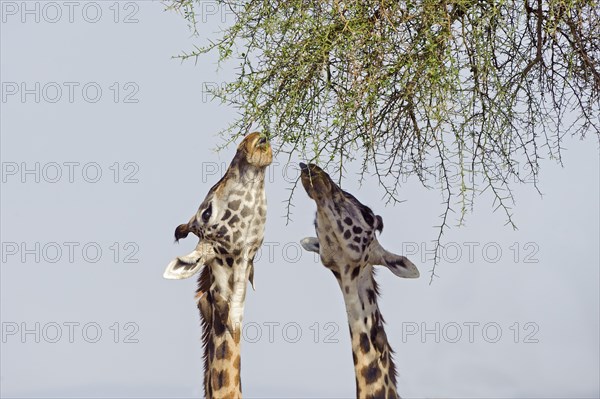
(471, 91)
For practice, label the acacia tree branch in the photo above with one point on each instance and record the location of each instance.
(475, 86)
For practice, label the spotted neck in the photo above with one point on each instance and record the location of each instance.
(223, 283)
(373, 365)
(221, 342)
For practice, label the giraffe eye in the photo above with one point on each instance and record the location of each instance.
(206, 214)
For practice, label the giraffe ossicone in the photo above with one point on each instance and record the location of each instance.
(347, 245)
(229, 225)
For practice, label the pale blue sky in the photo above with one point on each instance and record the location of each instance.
(165, 140)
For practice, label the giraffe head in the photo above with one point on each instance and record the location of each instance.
(222, 219)
(346, 228)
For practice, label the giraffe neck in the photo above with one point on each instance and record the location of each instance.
(373, 365)
(222, 376)
(221, 324)
(222, 293)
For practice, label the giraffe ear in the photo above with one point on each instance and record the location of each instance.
(310, 244)
(188, 265)
(401, 266)
(398, 264)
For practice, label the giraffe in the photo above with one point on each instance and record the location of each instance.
(230, 226)
(348, 246)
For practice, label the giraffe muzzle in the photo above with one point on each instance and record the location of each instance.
(314, 179)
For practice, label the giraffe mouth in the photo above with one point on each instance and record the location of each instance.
(258, 150)
(310, 171)
(315, 180)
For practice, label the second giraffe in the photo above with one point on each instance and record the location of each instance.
(347, 245)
